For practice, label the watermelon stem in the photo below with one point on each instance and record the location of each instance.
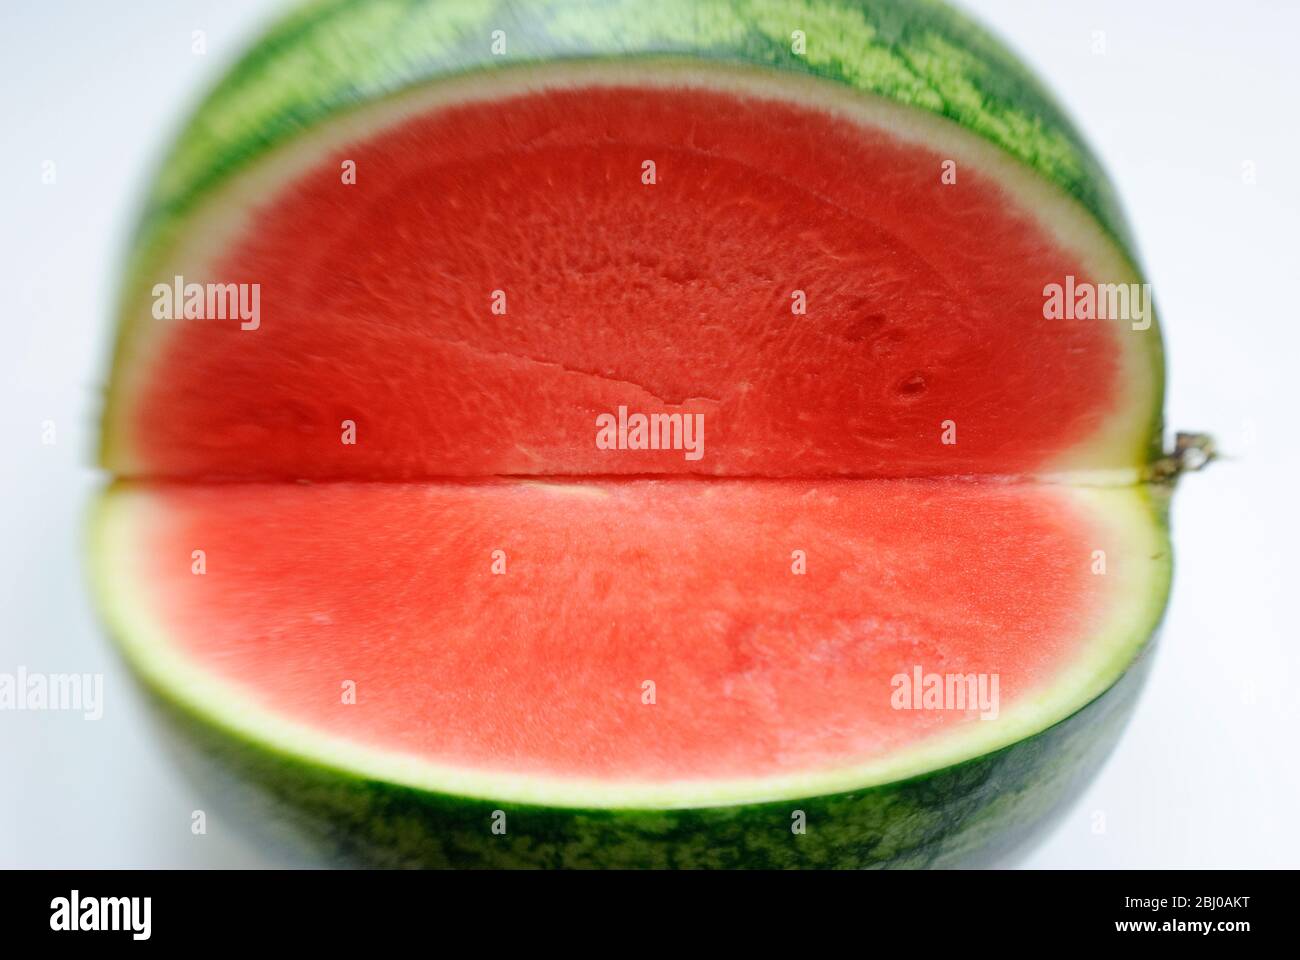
(1192, 452)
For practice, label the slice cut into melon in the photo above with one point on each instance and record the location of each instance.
(631, 643)
(800, 274)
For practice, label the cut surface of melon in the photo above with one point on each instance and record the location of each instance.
(829, 281)
(634, 642)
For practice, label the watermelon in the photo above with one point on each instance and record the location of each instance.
(715, 435)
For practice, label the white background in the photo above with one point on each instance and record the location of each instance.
(1207, 774)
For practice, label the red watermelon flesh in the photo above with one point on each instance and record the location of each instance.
(533, 661)
(924, 306)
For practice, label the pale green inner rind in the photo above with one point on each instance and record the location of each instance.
(1130, 525)
(1116, 453)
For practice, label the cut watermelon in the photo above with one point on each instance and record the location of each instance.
(394, 550)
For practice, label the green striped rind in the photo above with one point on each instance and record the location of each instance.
(334, 55)
(981, 812)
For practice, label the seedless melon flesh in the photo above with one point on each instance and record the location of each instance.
(502, 273)
(499, 636)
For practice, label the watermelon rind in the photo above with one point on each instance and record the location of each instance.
(985, 812)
